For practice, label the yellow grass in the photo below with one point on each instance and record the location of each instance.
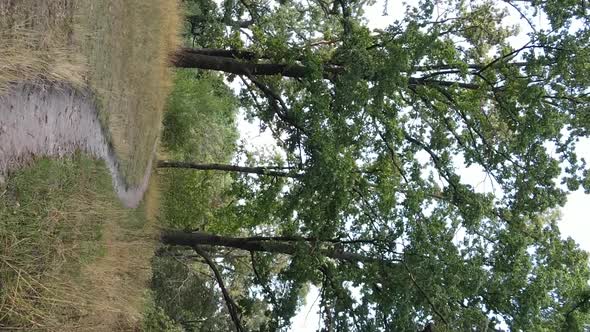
(119, 278)
(119, 49)
(37, 46)
(128, 48)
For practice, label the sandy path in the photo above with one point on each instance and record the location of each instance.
(56, 121)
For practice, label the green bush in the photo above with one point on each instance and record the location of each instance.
(156, 320)
(199, 126)
(184, 292)
(200, 118)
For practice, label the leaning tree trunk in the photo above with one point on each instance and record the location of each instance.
(195, 58)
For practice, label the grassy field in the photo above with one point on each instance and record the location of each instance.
(71, 257)
(65, 243)
(127, 44)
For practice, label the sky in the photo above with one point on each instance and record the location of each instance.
(574, 221)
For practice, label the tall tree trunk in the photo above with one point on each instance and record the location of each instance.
(201, 58)
(257, 244)
(193, 58)
(221, 52)
(262, 170)
(244, 24)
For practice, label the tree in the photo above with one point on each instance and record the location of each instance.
(377, 127)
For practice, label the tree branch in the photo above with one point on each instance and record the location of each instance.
(232, 307)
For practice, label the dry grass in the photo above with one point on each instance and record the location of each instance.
(57, 272)
(128, 48)
(36, 43)
(121, 277)
(152, 199)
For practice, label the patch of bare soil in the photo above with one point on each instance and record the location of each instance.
(56, 121)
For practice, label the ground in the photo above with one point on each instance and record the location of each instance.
(71, 256)
(120, 49)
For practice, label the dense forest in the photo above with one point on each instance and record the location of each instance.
(365, 196)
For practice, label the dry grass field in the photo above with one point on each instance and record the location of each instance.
(71, 257)
(119, 49)
(127, 44)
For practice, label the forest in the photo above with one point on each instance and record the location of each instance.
(319, 165)
(364, 195)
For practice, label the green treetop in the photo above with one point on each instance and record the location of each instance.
(377, 127)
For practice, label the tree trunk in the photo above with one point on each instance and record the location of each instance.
(189, 58)
(255, 244)
(264, 170)
(245, 24)
(220, 52)
(196, 58)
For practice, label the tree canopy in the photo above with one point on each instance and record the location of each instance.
(377, 128)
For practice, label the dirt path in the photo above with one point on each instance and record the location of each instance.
(56, 121)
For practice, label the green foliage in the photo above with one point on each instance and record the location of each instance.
(199, 125)
(155, 320)
(191, 197)
(186, 293)
(200, 118)
(381, 124)
(202, 16)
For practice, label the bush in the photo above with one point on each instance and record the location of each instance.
(199, 126)
(155, 320)
(200, 118)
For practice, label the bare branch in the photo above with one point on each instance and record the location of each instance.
(232, 307)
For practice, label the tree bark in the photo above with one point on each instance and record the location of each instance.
(254, 244)
(244, 24)
(195, 58)
(189, 58)
(263, 170)
(220, 52)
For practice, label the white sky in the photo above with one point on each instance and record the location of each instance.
(574, 222)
